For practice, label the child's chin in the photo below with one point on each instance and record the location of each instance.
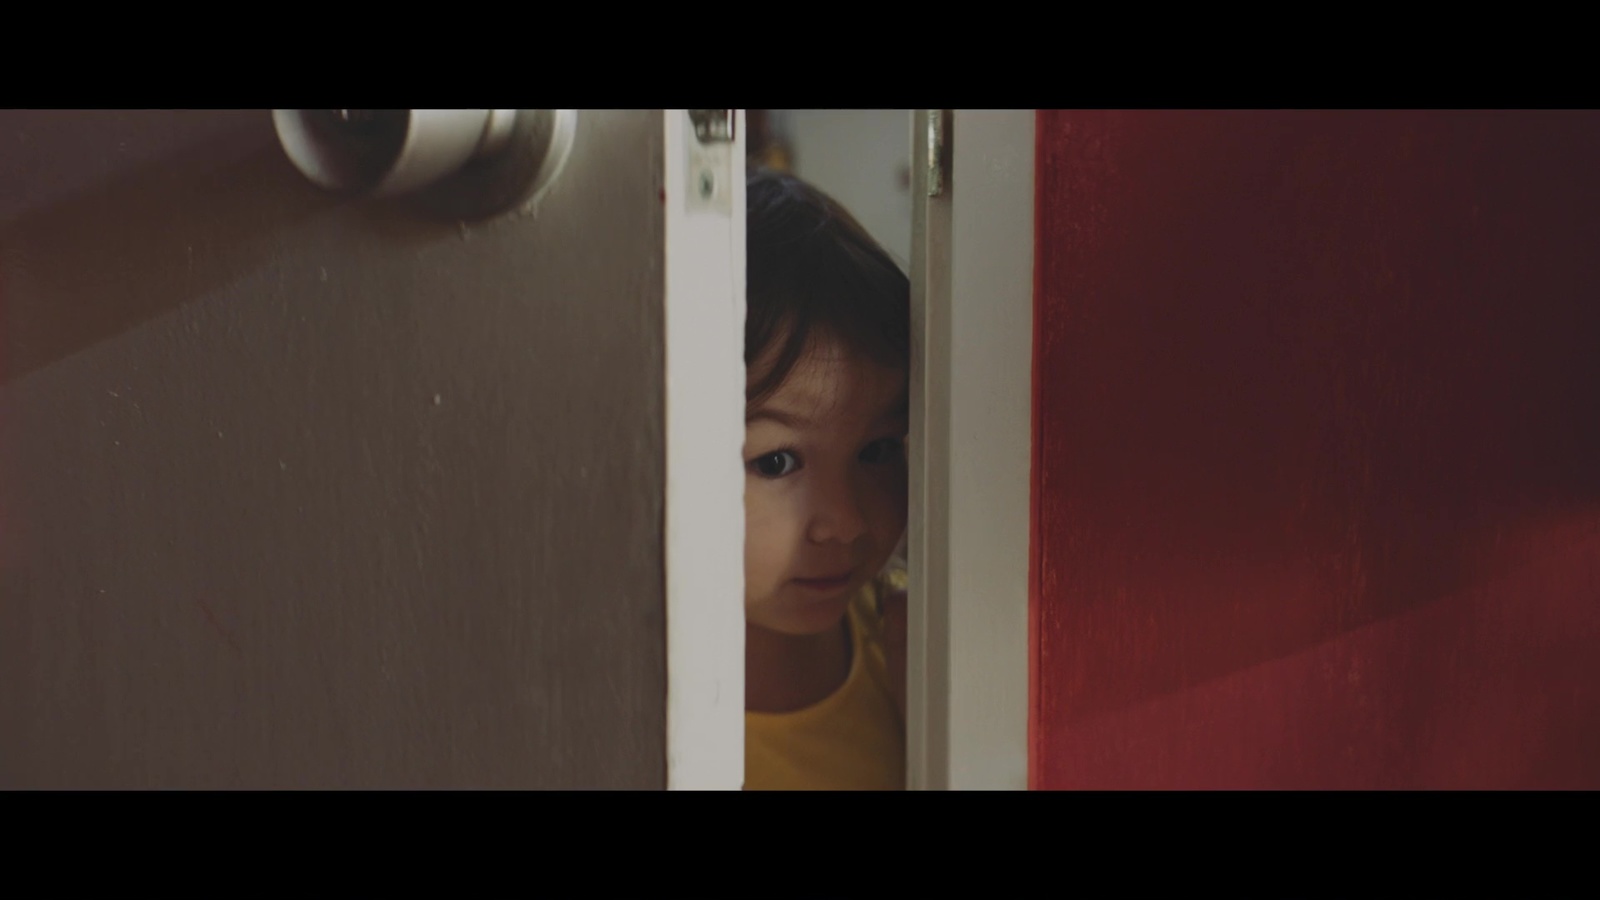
(811, 618)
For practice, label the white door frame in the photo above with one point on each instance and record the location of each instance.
(971, 452)
(704, 515)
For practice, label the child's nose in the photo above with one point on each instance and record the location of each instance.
(837, 516)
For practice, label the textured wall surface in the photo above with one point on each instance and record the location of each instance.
(1317, 450)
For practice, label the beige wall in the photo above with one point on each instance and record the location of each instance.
(862, 158)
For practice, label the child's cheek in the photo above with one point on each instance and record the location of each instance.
(766, 537)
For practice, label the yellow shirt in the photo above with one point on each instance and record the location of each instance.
(853, 739)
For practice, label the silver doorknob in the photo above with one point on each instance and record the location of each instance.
(465, 163)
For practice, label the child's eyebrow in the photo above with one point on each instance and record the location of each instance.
(779, 416)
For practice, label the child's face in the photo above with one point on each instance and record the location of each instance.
(825, 489)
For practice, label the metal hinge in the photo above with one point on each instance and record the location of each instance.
(712, 125)
(937, 129)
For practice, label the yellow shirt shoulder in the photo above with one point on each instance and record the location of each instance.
(853, 739)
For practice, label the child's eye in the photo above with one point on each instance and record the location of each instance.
(882, 451)
(775, 465)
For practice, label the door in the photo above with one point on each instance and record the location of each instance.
(308, 490)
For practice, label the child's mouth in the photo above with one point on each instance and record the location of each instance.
(830, 583)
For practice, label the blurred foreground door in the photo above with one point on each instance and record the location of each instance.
(300, 490)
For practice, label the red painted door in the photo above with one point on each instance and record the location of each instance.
(1317, 450)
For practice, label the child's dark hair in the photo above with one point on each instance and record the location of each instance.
(812, 270)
